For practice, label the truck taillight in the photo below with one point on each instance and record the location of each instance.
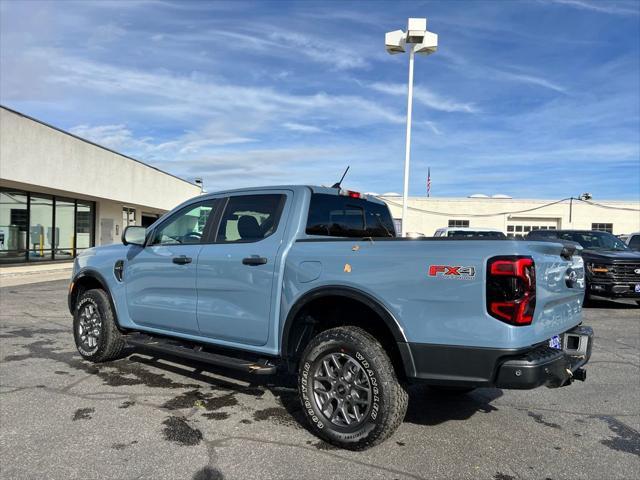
(511, 289)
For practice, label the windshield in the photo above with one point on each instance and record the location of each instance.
(594, 240)
(476, 234)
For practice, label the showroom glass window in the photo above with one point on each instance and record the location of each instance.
(84, 225)
(13, 226)
(40, 227)
(65, 229)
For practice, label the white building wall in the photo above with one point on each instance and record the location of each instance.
(488, 212)
(36, 154)
(38, 158)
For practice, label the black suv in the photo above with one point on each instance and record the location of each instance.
(612, 268)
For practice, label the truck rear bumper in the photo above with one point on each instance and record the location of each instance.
(526, 368)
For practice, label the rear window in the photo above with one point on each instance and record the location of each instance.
(339, 216)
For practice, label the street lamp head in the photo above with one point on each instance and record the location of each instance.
(428, 45)
(416, 28)
(394, 42)
(423, 41)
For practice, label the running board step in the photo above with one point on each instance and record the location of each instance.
(196, 352)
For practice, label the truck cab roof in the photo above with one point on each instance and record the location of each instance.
(314, 189)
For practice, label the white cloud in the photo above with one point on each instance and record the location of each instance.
(276, 42)
(121, 138)
(103, 35)
(426, 97)
(299, 127)
(530, 79)
(510, 73)
(609, 6)
(237, 107)
(318, 50)
(115, 137)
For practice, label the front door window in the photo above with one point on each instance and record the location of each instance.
(186, 226)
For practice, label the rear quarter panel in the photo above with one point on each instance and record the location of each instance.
(436, 309)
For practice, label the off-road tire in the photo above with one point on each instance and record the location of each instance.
(110, 342)
(388, 400)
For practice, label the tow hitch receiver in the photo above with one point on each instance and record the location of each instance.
(552, 367)
(580, 374)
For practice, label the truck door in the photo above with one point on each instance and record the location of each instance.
(236, 272)
(160, 278)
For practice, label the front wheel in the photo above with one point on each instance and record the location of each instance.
(94, 328)
(349, 389)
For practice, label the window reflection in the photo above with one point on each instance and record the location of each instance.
(84, 225)
(64, 242)
(13, 226)
(40, 228)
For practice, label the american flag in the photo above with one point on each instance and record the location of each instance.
(429, 182)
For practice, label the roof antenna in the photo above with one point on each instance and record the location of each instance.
(337, 185)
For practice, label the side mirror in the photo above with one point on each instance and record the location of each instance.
(133, 235)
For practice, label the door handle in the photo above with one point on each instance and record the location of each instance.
(182, 260)
(254, 260)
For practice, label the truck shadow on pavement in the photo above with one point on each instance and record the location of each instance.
(426, 406)
(433, 407)
(218, 393)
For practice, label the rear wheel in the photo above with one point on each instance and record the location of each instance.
(94, 328)
(349, 389)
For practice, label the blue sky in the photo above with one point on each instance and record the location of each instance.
(532, 99)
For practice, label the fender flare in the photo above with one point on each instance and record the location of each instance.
(346, 292)
(97, 276)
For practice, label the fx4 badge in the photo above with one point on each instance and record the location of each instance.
(452, 271)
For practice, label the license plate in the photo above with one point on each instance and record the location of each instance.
(554, 342)
(637, 287)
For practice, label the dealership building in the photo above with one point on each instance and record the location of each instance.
(60, 193)
(515, 217)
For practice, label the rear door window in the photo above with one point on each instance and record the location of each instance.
(340, 216)
(250, 218)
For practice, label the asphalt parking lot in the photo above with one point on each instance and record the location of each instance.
(144, 417)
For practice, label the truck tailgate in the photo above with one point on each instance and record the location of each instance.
(558, 305)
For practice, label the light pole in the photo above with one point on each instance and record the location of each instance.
(421, 42)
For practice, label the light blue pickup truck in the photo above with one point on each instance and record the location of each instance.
(314, 282)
